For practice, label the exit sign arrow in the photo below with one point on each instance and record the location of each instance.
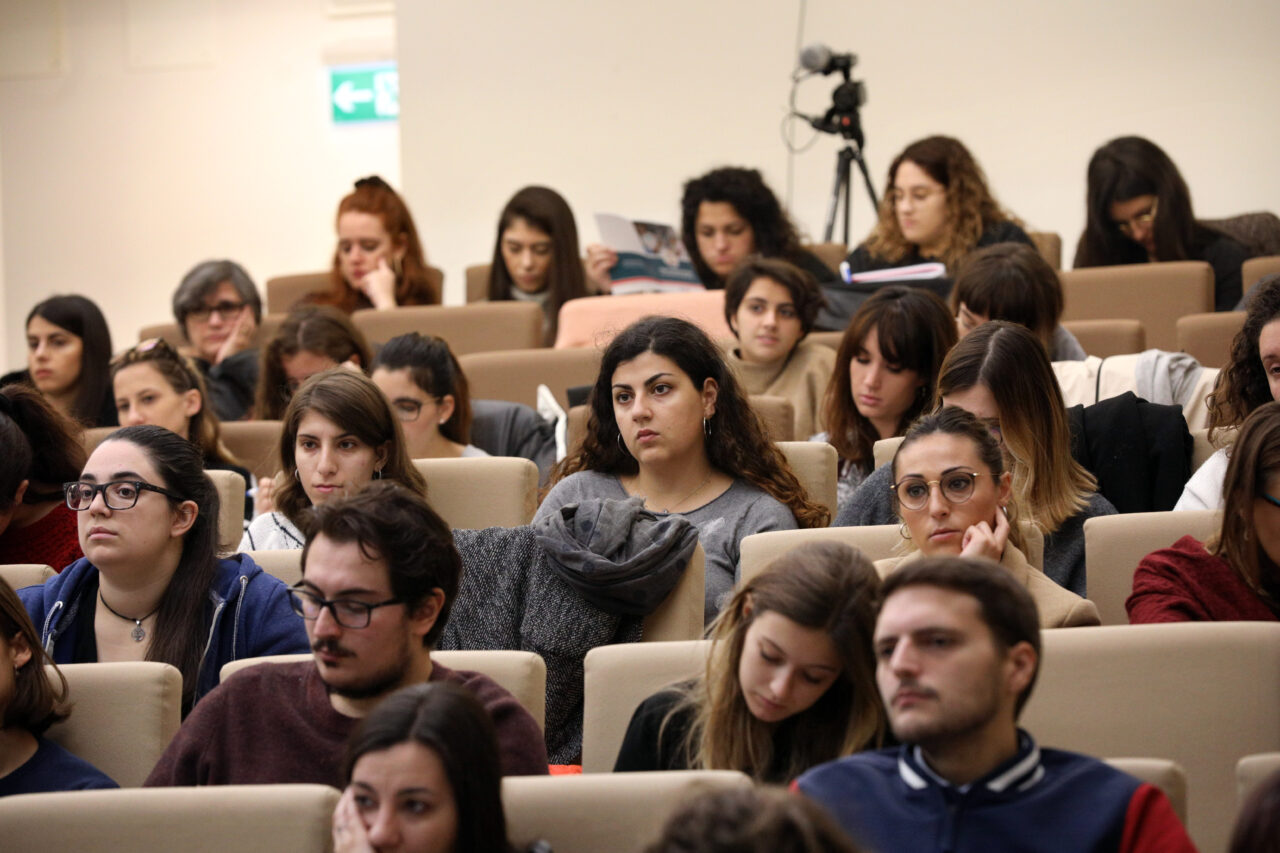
(346, 96)
(364, 93)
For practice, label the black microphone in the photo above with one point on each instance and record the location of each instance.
(819, 59)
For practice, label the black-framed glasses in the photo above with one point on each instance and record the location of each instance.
(118, 494)
(407, 409)
(956, 486)
(347, 612)
(223, 309)
(1144, 219)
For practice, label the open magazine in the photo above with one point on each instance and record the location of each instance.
(651, 258)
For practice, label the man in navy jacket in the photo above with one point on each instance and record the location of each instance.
(958, 648)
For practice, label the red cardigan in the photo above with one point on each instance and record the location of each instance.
(52, 540)
(1185, 583)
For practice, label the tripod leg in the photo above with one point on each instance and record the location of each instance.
(840, 185)
(871, 191)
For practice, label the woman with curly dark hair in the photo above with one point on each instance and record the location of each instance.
(1138, 209)
(937, 208)
(669, 423)
(1248, 381)
(726, 215)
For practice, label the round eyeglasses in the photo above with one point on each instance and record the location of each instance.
(118, 494)
(347, 612)
(956, 487)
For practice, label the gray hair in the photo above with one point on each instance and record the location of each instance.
(203, 279)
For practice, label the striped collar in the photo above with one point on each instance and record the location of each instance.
(1019, 773)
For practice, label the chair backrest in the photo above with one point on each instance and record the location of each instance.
(124, 716)
(831, 254)
(474, 492)
(1254, 269)
(1259, 231)
(622, 813)
(882, 451)
(1105, 338)
(1115, 544)
(477, 282)
(1202, 448)
(1049, 245)
(827, 339)
(522, 674)
(479, 327)
(170, 332)
(815, 466)
(255, 443)
(1252, 770)
(1202, 694)
(231, 487)
(18, 575)
(616, 679)
(93, 436)
(514, 375)
(778, 414)
(1155, 294)
(211, 819)
(1163, 774)
(1208, 336)
(876, 541)
(680, 615)
(283, 564)
(283, 291)
(592, 321)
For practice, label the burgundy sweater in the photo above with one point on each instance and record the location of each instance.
(273, 723)
(1185, 583)
(53, 540)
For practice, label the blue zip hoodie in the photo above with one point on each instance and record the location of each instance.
(251, 616)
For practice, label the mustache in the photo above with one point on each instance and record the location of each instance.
(916, 688)
(330, 646)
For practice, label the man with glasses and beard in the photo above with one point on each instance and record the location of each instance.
(380, 572)
(957, 646)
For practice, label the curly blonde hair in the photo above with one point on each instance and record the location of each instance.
(971, 208)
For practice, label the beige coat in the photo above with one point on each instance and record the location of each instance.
(1059, 607)
(802, 380)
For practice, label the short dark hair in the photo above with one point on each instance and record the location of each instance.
(746, 820)
(1011, 281)
(391, 523)
(449, 720)
(203, 279)
(804, 290)
(1005, 606)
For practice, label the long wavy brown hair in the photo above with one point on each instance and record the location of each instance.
(971, 208)
(1242, 385)
(826, 586)
(736, 443)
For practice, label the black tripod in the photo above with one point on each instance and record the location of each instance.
(850, 153)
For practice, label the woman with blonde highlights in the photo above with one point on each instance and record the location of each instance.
(937, 208)
(789, 682)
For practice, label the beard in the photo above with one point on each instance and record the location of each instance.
(952, 724)
(369, 685)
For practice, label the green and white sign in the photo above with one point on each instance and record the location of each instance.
(364, 92)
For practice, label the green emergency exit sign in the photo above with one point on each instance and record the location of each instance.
(364, 93)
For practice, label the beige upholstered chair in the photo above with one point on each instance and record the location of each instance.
(1208, 336)
(617, 679)
(211, 819)
(592, 321)
(283, 564)
(831, 254)
(231, 487)
(283, 291)
(255, 443)
(1252, 769)
(1115, 544)
(1201, 694)
(1162, 773)
(778, 416)
(522, 674)
(18, 575)
(93, 436)
(1203, 448)
(1049, 244)
(814, 464)
(1105, 338)
(480, 327)
(679, 616)
(124, 716)
(1155, 294)
(1255, 268)
(515, 375)
(621, 813)
(170, 332)
(481, 491)
(884, 449)
(827, 339)
(477, 276)
(876, 541)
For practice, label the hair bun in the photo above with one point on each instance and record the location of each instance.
(372, 182)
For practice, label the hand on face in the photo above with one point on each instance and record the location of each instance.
(379, 285)
(980, 540)
(349, 834)
(240, 336)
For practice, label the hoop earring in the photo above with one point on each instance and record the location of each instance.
(296, 476)
(622, 446)
(706, 427)
(377, 473)
(904, 531)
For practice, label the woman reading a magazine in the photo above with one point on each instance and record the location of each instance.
(535, 256)
(937, 208)
(726, 215)
(668, 423)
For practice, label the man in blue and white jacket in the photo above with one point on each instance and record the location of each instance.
(958, 648)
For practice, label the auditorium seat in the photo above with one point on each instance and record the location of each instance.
(256, 444)
(1208, 337)
(593, 321)
(1155, 294)
(18, 575)
(814, 464)
(480, 327)
(1254, 269)
(680, 615)
(285, 564)
(1163, 774)
(231, 489)
(514, 375)
(831, 254)
(827, 339)
(481, 491)
(1252, 770)
(1105, 338)
(1049, 245)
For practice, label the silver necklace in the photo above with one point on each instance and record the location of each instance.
(677, 503)
(138, 633)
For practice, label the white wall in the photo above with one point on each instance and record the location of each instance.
(615, 104)
(180, 130)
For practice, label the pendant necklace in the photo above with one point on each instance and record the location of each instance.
(138, 633)
(677, 503)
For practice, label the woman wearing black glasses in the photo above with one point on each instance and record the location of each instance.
(955, 499)
(427, 390)
(1138, 209)
(150, 586)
